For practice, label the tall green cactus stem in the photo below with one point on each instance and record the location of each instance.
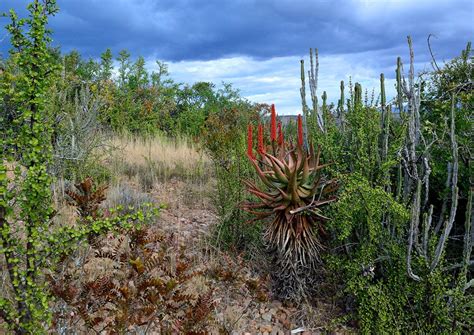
(383, 99)
(340, 109)
(399, 86)
(313, 74)
(304, 106)
(326, 111)
(386, 115)
(385, 118)
(325, 98)
(357, 95)
(325, 106)
(350, 100)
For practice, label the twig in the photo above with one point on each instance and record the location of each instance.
(431, 53)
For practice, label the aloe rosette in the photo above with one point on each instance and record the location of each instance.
(292, 195)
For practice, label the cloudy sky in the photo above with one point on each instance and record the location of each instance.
(257, 44)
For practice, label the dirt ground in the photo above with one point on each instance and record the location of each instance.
(189, 215)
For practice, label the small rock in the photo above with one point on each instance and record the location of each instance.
(276, 304)
(267, 316)
(266, 328)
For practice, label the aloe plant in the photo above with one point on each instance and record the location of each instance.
(291, 198)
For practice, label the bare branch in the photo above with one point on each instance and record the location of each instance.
(426, 229)
(445, 200)
(468, 238)
(454, 195)
(415, 217)
(469, 285)
(435, 65)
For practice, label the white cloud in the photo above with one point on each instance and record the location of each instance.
(277, 80)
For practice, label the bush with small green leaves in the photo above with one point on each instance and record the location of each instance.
(29, 244)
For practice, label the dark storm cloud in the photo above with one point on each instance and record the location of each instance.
(210, 29)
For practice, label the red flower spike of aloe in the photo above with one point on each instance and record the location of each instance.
(261, 147)
(250, 142)
(273, 124)
(280, 134)
(300, 130)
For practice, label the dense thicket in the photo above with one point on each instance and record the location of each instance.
(402, 230)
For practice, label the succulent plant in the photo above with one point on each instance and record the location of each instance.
(292, 194)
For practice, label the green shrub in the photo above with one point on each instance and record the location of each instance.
(225, 140)
(371, 225)
(30, 245)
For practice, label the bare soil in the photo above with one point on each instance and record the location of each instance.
(239, 307)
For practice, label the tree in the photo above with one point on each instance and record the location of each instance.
(124, 67)
(106, 65)
(139, 75)
(157, 78)
(72, 62)
(89, 70)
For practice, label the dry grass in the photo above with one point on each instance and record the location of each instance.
(157, 159)
(145, 170)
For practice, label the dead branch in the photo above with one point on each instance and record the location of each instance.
(454, 195)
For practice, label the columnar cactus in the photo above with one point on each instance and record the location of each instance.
(292, 195)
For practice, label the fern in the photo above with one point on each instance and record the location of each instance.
(86, 199)
(150, 288)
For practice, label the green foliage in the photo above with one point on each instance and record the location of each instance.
(138, 76)
(29, 243)
(361, 208)
(124, 67)
(137, 105)
(224, 140)
(370, 224)
(363, 153)
(453, 77)
(194, 104)
(25, 208)
(106, 65)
